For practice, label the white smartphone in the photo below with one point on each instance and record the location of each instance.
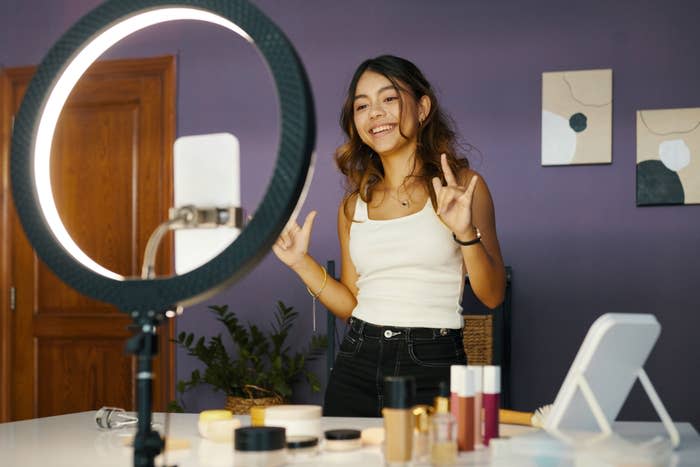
(206, 173)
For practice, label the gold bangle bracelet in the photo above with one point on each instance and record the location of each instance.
(314, 296)
(323, 285)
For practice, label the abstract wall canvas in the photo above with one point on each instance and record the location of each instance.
(668, 156)
(577, 117)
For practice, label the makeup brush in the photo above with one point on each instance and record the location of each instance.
(514, 417)
(540, 416)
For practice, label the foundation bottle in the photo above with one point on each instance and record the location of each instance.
(443, 431)
(399, 395)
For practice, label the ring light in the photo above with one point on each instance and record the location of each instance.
(147, 299)
(36, 120)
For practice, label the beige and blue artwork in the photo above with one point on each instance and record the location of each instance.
(668, 156)
(577, 117)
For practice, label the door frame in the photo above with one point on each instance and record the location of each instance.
(165, 66)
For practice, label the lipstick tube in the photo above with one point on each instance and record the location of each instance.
(490, 399)
(455, 374)
(477, 372)
(465, 411)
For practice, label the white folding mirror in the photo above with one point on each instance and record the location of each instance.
(606, 366)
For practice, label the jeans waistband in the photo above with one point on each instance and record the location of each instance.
(388, 332)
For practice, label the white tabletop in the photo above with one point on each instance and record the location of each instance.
(74, 440)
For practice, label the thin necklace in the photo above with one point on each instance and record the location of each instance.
(403, 202)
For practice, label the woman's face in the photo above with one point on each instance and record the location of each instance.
(377, 114)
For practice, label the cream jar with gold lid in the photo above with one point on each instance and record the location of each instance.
(217, 425)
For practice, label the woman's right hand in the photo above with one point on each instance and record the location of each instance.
(293, 243)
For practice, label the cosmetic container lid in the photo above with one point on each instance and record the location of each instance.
(300, 442)
(260, 438)
(420, 418)
(342, 434)
(399, 392)
(208, 415)
(492, 379)
(292, 412)
(478, 373)
(373, 436)
(442, 400)
(455, 371)
(466, 384)
(257, 415)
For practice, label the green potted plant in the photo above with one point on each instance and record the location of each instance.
(262, 367)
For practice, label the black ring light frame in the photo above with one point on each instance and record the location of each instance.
(293, 161)
(146, 300)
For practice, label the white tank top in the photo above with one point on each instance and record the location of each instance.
(410, 270)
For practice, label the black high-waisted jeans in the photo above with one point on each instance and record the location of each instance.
(368, 353)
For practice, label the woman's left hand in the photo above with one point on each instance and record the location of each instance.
(454, 202)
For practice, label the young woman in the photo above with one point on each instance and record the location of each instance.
(415, 219)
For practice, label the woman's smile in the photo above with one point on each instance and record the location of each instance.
(381, 130)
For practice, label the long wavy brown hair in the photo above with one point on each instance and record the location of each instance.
(359, 163)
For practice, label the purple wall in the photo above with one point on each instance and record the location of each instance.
(578, 245)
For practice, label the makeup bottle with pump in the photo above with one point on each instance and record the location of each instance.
(490, 400)
(399, 396)
(443, 431)
(477, 373)
(465, 411)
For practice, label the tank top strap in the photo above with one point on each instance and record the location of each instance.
(361, 214)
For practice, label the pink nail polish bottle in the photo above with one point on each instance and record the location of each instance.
(490, 400)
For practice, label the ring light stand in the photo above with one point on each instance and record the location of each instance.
(147, 299)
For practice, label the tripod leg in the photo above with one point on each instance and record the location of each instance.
(147, 442)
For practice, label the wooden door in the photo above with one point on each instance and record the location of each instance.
(111, 176)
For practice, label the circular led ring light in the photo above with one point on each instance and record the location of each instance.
(35, 125)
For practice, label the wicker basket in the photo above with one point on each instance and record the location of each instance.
(478, 339)
(241, 405)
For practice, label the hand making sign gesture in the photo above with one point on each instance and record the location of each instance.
(293, 243)
(454, 202)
